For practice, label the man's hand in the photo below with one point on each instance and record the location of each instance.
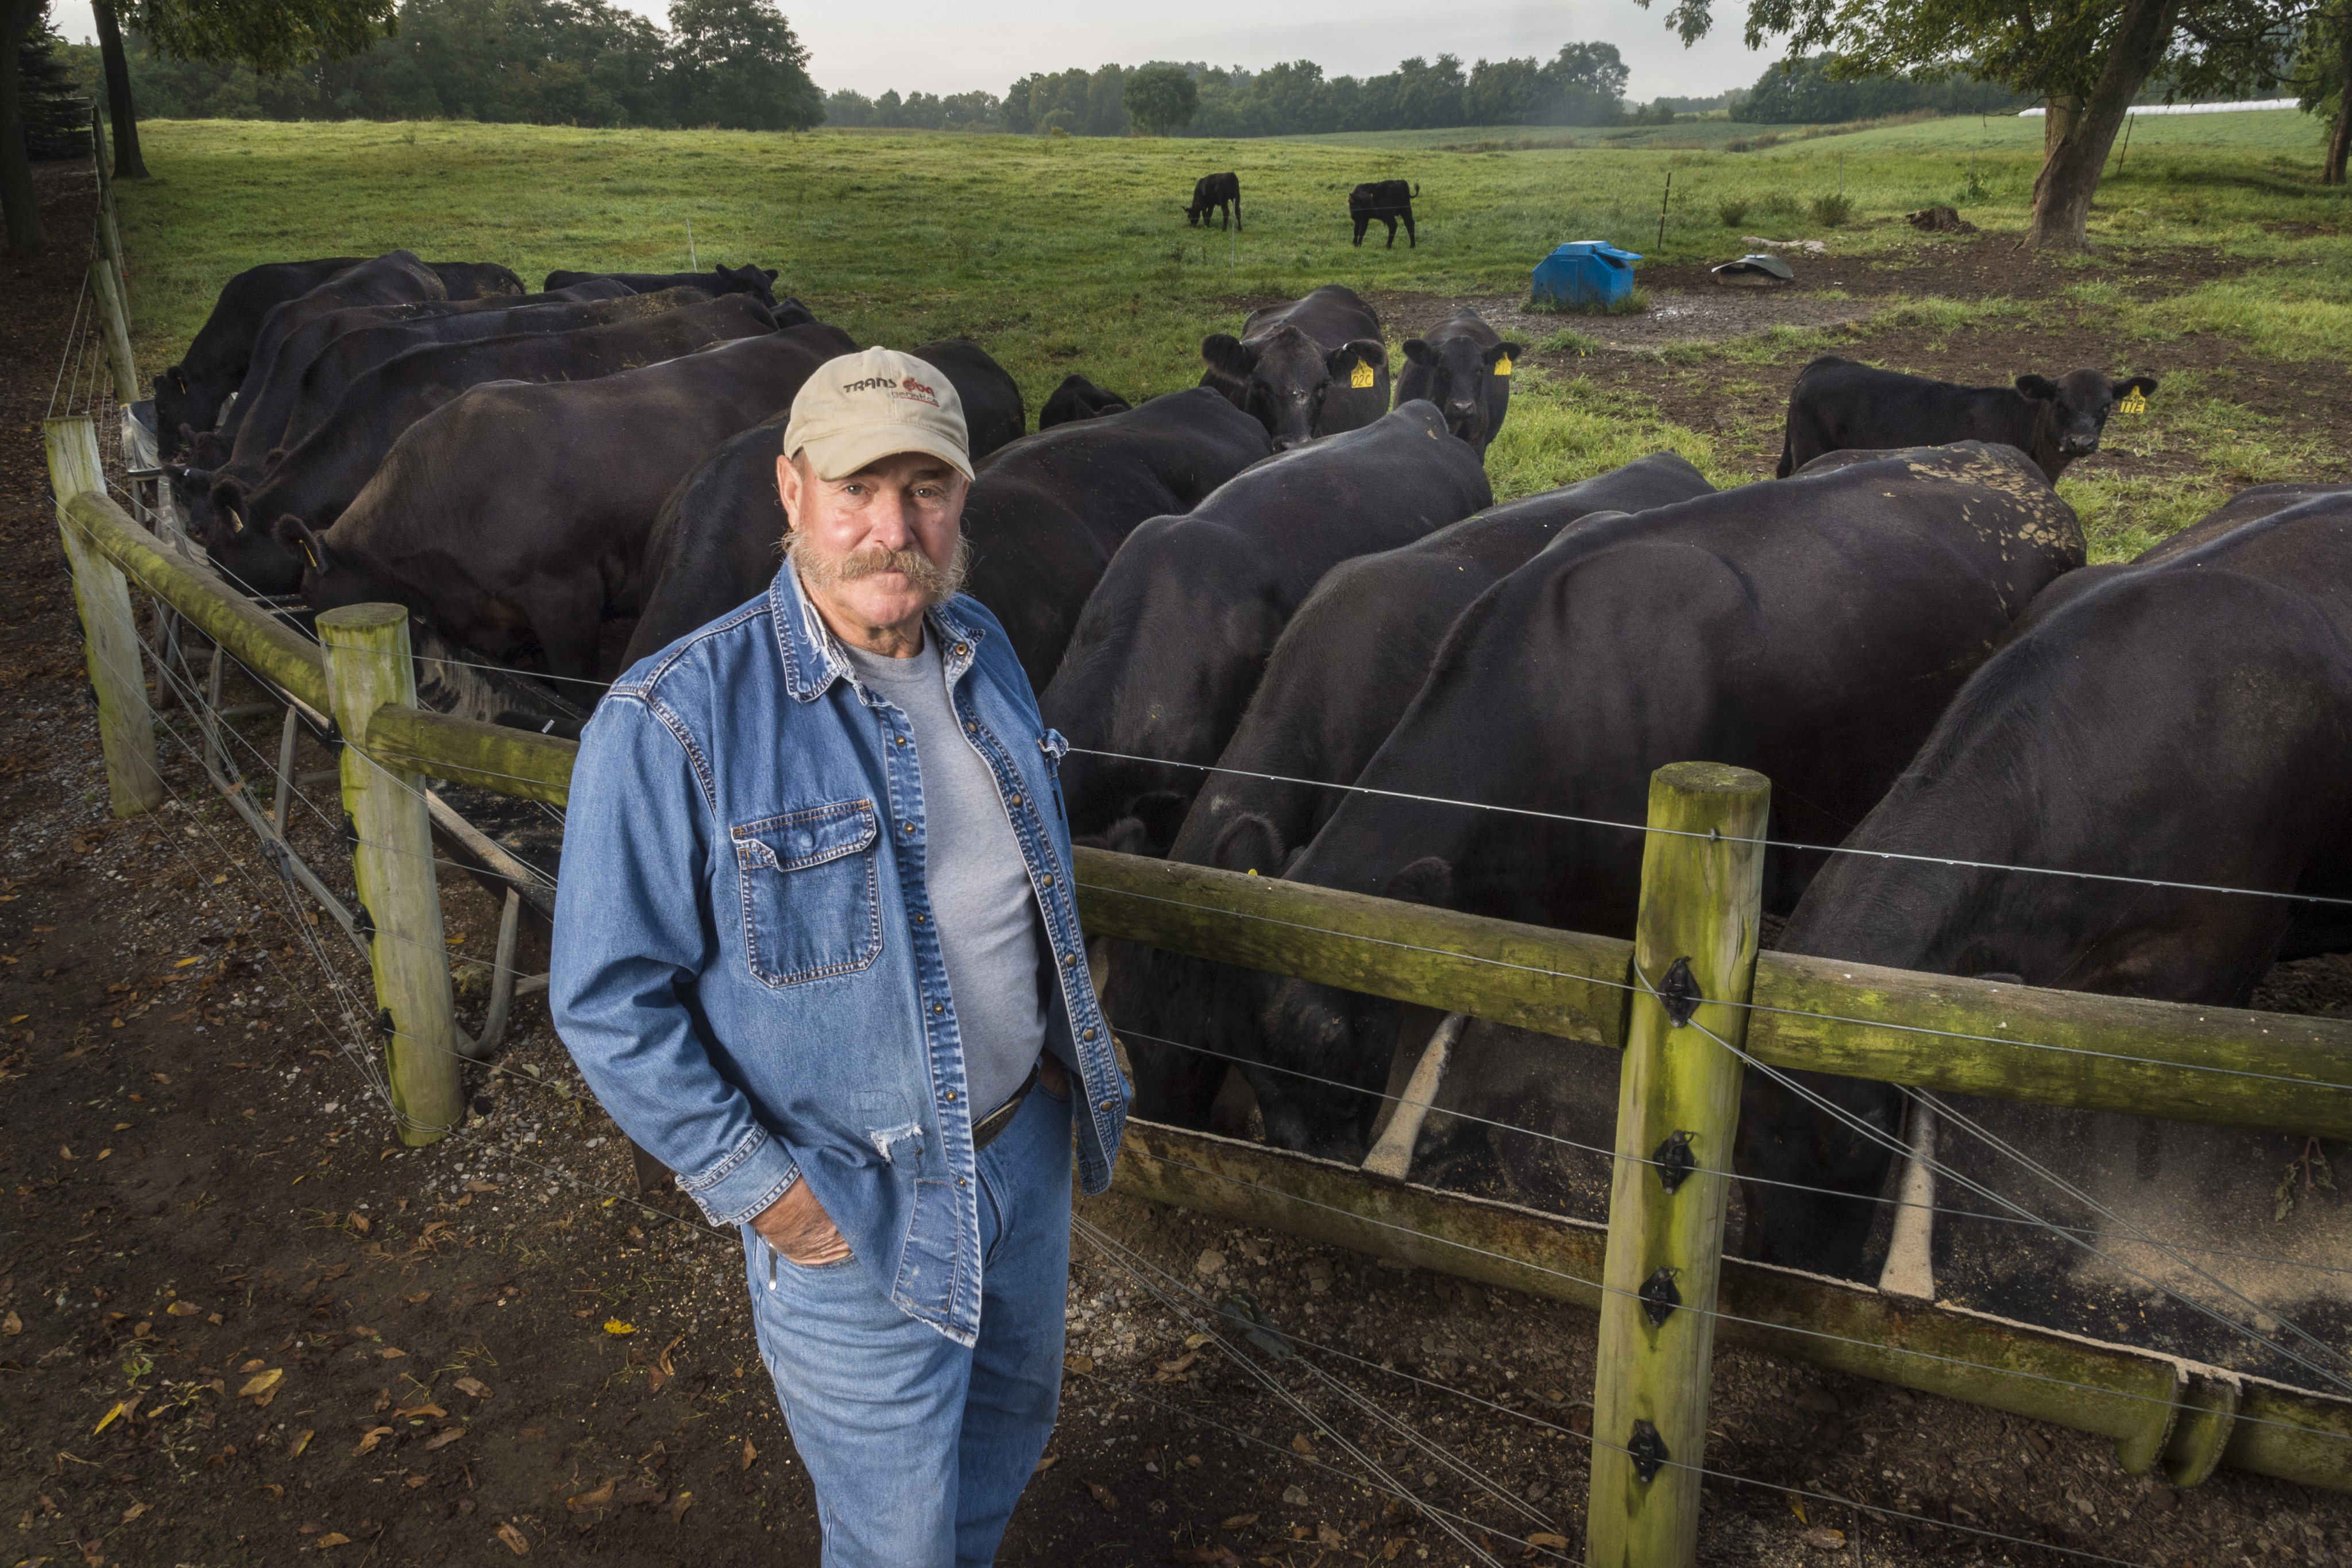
(797, 1225)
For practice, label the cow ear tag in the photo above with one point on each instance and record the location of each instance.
(1362, 376)
(2135, 404)
(1503, 365)
(311, 553)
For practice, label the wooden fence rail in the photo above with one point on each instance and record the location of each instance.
(2211, 1065)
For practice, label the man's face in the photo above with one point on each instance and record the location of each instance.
(877, 548)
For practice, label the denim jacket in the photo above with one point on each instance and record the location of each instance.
(745, 964)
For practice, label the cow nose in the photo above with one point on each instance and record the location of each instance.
(1285, 443)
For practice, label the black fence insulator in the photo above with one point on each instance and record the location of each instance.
(1647, 1450)
(362, 922)
(384, 1024)
(351, 834)
(1675, 1160)
(1659, 1297)
(1680, 993)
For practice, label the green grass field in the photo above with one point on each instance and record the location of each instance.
(1072, 255)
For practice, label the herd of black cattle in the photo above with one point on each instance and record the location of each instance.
(1235, 597)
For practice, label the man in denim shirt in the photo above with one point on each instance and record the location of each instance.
(817, 950)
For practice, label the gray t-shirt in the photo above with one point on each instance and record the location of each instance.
(979, 885)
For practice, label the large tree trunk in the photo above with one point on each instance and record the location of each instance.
(2339, 139)
(2079, 134)
(20, 205)
(128, 163)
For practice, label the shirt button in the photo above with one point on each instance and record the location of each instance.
(1016, 802)
(951, 1097)
(902, 740)
(1069, 958)
(919, 919)
(1108, 1105)
(906, 827)
(1049, 879)
(962, 650)
(937, 1007)
(970, 725)
(1087, 1036)
(961, 1183)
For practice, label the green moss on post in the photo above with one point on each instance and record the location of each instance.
(126, 725)
(1701, 903)
(369, 668)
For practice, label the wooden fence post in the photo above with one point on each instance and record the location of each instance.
(115, 328)
(1677, 1104)
(369, 668)
(126, 725)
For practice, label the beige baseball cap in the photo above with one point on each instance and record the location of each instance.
(863, 408)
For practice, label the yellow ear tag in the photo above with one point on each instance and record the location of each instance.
(1362, 376)
(1503, 365)
(2134, 403)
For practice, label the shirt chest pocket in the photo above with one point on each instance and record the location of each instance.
(812, 899)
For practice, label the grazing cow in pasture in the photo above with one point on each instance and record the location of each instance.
(191, 393)
(314, 481)
(757, 281)
(1464, 366)
(2187, 719)
(1383, 201)
(1044, 517)
(1219, 194)
(516, 515)
(1079, 398)
(1173, 639)
(1839, 405)
(1811, 630)
(1343, 672)
(1313, 367)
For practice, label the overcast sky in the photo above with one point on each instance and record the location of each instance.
(952, 45)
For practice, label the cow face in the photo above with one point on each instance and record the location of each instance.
(327, 580)
(756, 282)
(251, 559)
(1282, 378)
(2076, 406)
(1462, 373)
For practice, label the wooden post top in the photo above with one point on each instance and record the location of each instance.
(1712, 778)
(362, 617)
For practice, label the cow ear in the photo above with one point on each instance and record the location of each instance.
(1420, 352)
(2142, 385)
(1428, 880)
(1366, 351)
(1229, 355)
(1249, 843)
(296, 538)
(2040, 386)
(771, 272)
(1503, 352)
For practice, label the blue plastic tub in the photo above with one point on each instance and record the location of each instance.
(1584, 275)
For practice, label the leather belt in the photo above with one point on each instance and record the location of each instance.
(985, 1131)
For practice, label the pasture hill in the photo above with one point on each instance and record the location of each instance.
(242, 1322)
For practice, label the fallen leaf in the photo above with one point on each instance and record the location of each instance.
(662, 1361)
(108, 1419)
(678, 1505)
(1239, 1521)
(272, 1490)
(1181, 1366)
(1545, 1538)
(424, 1295)
(133, 1511)
(513, 1540)
(332, 1538)
(358, 1222)
(161, 1077)
(1048, 1463)
(601, 1498)
(301, 1441)
(1079, 1363)
(750, 1453)
(413, 1479)
(255, 1364)
(480, 1188)
(183, 1309)
(367, 1444)
(428, 1409)
(1104, 1495)
(1328, 1535)
(443, 1439)
(390, 1353)
(261, 1383)
(1194, 1341)
(473, 1385)
(1826, 1540)
(1192, 1461)
(12, 1325)
(1299, 1444)
(103, 1153)
(185, 962)
(614, 1326)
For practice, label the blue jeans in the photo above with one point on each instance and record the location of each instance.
(918, 1447)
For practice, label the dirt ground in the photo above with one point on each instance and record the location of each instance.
(239, 1323)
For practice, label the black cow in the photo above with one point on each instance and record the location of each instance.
(273, 388)
(1840, 405)
(2187, 719)
(1314, 367)
(1173, 640)
(1811, 630)
(1079, 398)
(1045, 516)
(993, 414)
(518, 514)
(1219, 194)
(317, 478)
(191, 393)
(756, 282)
(1383, 201)
(396, 277)
(1344, 671)
(1464, 366)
